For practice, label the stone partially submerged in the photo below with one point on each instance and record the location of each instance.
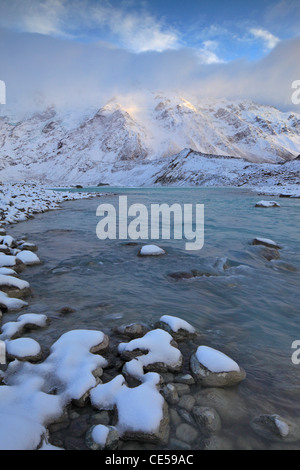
(177, 327)
(265, 242)
(212, 368)
(267, 204)
(275, 428)
(151, 250)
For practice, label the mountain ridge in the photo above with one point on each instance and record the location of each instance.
(145, 128)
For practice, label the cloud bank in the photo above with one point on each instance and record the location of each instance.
(40, 70)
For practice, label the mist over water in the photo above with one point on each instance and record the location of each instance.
(240, 302)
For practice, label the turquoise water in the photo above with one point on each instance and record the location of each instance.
(250, 310)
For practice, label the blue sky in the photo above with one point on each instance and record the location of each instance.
(219, 30)
(86, 51)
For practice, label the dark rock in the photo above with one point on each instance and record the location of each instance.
(186, 433)
(67, 310)
(275, 428)
(207, 419)
(132, 331)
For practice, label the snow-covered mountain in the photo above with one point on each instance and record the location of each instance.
(132, 133)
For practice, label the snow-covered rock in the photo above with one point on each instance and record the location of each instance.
(23, 349)
(151, 250)
(267, 204)
(11, 303)
(158, 354)
(142, 412)
(27, 402)
(7, 272)
(13, 286)
(27, 321)
(7, 260)
(212, 368)
(13, 282)
(100, 437)
(177, 327)
(265, 242)
(28, 258)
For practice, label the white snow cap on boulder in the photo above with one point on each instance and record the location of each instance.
(158, 351)
(151, 250)
(212, 368)
(177, 324)
(28, 257)
(215, 361)
(267, 204)
(266, 242)
(9, 303)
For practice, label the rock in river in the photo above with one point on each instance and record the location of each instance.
(212, 368)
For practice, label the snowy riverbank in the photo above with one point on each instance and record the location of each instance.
(21, 201)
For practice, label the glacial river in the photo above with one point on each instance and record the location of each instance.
(241, 303)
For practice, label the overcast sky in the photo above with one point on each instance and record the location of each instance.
(82, 52)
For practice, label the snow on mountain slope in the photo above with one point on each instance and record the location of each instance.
(131, 131)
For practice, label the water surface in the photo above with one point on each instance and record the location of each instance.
(250, 310)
